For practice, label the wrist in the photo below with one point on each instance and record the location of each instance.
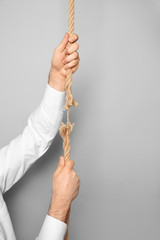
(58, 210)
(56, 81)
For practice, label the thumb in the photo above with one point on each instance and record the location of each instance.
(64, 42)
(60, 165)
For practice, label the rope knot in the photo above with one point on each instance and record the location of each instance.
(66, 129)
(65, 132)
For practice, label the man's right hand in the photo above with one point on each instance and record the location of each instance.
(65, 187)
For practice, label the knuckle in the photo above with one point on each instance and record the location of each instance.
(76, 54)
(74, 63)
(74, 173)
(77, 46)
(70, 163)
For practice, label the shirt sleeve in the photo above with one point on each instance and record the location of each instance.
(42, 126)
(52, 229)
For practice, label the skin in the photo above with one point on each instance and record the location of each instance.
(65, 183)
(65, 57)
(65, 188)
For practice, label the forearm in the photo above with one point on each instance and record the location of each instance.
(54, 226)
(56, 81)
(58, 210)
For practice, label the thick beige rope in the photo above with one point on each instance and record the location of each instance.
(66, 129)
(69, 97)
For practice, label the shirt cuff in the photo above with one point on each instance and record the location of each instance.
(52, 101)
(52, 229)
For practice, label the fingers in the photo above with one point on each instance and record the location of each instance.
(72, 61)
(70, 164)
(72, 48)
(74, 69)
(71, 57)
(73, 38)
(71, 64)
(64, 43)
(61, 162)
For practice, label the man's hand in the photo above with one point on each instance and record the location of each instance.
(65, 187)
(65, 57)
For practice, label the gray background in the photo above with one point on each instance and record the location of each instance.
(116, 139)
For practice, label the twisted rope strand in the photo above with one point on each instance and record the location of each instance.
(66, 129)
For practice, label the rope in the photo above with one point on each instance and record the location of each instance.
(66, 129)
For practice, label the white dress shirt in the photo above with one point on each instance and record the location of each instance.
(19, 155)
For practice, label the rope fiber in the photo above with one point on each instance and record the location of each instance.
(66, 129)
